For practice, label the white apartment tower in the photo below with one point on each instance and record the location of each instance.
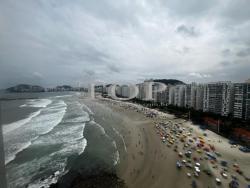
(125, 91)
(199, 97)
(241, 106)
(179, 95)
(218, 98)
(141, 93)
(247, 113)
(171, 94)
(227, 99)
(163, 96)
(190, 95)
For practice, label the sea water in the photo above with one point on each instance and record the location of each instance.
(42, 134)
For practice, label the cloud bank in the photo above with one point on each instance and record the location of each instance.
(57, 42)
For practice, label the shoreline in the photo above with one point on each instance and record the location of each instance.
(148, 163)
(144, 160)
(147, 169)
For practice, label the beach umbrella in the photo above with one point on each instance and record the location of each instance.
(218, 181)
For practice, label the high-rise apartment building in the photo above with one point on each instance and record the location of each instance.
(179, 95)
(199, 97)
(163, 96)
(218, 98)
(171, 94)
(190, 95)
(241, 106)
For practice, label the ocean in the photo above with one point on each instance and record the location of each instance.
(46, 135)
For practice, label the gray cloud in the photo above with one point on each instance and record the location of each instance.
(225, 63)
(187, 31)
(236, 11)
(244, 52)
(113, 68)
(56, 42)
(199, 75)
(226, 52)
(189, 8)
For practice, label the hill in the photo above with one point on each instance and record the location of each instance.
(169, 81)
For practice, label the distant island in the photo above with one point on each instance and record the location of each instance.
(25, 88)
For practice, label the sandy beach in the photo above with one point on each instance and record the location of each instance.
(145, 161)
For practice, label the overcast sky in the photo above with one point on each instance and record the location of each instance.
(51, 42)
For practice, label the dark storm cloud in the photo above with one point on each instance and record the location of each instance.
(187, 31)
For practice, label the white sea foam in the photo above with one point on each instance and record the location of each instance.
(83, 117)
(37, 103)
(58, 104)
(116, 158)
(51, 179)
(48, 181)
(12, 126)
(42, 130)
(66, 135)
(84, 145)
(76, 147)
(50, 120)
(21, 137)
(76, 119)
(21, 147)
(88, 109)
(61, 96)
(74, 143)
(117, 132)
(99, 126)
(116, 155)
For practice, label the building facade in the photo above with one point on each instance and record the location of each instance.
(190, 95)
(241, 106)
(171, 95)
(218, 98)
(247, 113)
(179, 95)
(199, 97)
(227, 99)
(163, 96)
